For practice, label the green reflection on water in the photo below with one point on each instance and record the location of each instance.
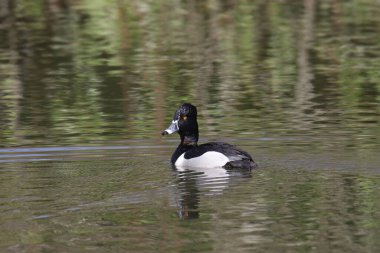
(277, 77)
(74, 73)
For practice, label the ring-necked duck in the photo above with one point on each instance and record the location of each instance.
(212, 154)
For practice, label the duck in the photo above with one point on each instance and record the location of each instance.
(189, 154)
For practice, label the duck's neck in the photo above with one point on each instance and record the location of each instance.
(187, 143)
(189, 140)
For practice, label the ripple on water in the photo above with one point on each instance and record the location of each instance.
(72, 153)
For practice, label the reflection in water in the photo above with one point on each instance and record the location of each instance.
(72, 73)
(86, 87)
(193, 183)
(117, 199)
(188, 199)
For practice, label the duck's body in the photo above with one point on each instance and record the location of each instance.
(212, 154)
(208, 155)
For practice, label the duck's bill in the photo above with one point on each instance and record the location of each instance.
(172, 128)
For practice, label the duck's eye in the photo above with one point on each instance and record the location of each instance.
(184, 117)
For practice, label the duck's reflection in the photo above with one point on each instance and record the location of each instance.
(194, 183)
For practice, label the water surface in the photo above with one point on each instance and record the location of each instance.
(86, 87)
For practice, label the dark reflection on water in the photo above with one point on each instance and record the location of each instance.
(87, 86)
(192, 183)
(189, 195)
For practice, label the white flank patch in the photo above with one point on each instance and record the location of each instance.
(209, 159)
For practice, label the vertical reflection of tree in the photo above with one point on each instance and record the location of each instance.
(210, 31)
(201, 34)
(262, 31)
(188, 202)
(253, 67)
(160, 85)
(9, 110)
(36, 69)
(55, 6)
(129, 103)
(261, 43)
(304, 86)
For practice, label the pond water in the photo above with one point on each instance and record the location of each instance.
(86, 87)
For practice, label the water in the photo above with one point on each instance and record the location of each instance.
(87, 87)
